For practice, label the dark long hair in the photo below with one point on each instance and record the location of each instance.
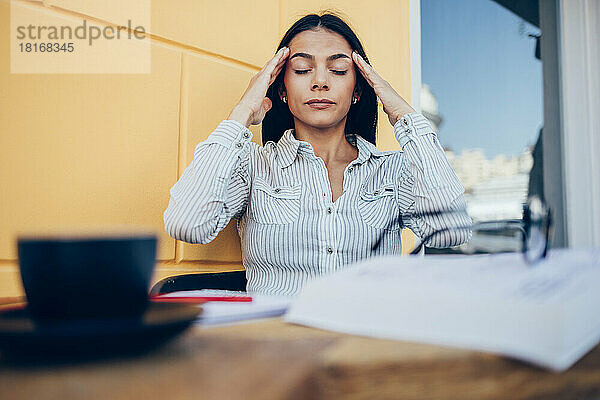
(362, 116)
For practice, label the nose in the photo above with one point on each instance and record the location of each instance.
(320, 79)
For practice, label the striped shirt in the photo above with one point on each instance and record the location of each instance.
(280, 195)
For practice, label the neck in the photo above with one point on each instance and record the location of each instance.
(329, 144)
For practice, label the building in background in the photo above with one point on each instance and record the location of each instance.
(495, 188)
(429, 107)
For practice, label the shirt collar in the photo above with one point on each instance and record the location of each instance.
(289, 147)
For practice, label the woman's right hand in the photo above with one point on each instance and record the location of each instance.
(254, 104)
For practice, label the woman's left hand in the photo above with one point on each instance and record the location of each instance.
(393, 104)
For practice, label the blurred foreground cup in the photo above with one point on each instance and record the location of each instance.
(87, 273)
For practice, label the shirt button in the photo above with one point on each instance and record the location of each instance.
(329, 210)
(405, 121)
(349, 169)
(238, 145)
(246, 135)
(376, 192)
(407, 130)
(330, 250)
(277, 190)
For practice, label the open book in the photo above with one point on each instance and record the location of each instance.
(546, 314)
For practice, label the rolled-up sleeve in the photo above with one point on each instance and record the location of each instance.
(428, 180)
(213, 188)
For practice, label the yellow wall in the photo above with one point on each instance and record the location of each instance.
(104, 149)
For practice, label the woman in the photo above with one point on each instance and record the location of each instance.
(319, 194)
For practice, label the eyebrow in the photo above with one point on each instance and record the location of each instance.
(311, 57)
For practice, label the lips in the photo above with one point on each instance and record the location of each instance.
(320, 101)
(320, 106)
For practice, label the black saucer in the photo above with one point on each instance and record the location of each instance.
(23, 339)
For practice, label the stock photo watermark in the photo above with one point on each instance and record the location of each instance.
(66, 32)
(48, 40)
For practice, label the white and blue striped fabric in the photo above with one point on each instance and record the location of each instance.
(280, 195)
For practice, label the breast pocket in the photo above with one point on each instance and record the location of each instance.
(378, 207)
(273, 204)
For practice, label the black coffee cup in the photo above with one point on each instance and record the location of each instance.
(87, 275)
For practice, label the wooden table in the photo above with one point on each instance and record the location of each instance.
(270, 359)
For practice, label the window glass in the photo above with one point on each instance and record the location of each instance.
(482, 91)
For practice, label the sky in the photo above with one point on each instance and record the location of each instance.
(484, 74)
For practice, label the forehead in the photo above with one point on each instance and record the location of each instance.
(321, 43)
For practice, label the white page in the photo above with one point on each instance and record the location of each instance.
(262, 306)
(545, 314)
(227, 312)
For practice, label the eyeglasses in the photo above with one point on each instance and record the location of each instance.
(531, 234)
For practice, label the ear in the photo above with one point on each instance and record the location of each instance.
(281, 92)
(357, 92)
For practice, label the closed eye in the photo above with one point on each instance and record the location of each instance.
(300, 72)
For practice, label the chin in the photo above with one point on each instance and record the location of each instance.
(322, 121)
